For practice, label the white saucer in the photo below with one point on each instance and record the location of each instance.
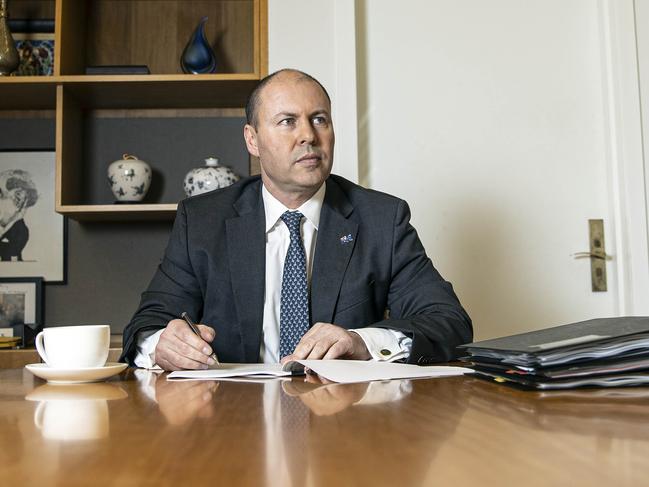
(75, 376)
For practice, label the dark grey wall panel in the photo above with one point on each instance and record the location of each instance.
(27, 133)
(172, 146)
(109, 265)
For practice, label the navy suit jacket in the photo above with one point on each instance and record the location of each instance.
(214, 268)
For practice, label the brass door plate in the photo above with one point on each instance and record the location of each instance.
(597, 255)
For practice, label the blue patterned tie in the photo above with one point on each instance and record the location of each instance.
(294, 303)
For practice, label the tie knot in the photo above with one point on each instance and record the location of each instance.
(292, 220)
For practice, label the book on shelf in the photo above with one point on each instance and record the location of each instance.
(31, 25)
(117, 69)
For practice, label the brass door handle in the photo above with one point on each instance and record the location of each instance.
(592, 255)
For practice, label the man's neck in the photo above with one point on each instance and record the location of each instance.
(291, 200)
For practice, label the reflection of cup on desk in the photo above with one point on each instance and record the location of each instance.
(74, 412)
(74, 347)
(71, 420)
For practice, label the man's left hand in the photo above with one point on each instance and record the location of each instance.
(327, 341)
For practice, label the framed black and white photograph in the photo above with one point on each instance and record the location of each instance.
(21, 301)
(32, 234)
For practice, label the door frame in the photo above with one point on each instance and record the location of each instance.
(627, 142)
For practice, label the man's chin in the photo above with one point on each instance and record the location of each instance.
(312, 184)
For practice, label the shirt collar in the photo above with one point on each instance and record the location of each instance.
(310, 208)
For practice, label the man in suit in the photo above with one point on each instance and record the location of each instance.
(296, 262)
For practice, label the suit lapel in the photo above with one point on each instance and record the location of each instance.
(334, 247)
(247, 260)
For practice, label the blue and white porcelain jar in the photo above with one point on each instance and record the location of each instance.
(208, 178)
(129, 179)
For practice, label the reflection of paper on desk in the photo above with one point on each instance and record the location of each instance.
(345, 371)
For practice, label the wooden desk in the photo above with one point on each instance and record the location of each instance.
(454, 431)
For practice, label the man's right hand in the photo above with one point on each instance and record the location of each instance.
(180, 349)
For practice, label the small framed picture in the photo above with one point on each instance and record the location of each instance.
(21, 301)
(32, 235)
(36, 52)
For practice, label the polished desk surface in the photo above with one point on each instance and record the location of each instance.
(140, 429)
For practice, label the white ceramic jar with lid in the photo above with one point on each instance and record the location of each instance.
(129, 179)
(209, 177)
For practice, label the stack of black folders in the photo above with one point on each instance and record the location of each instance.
(605, 352)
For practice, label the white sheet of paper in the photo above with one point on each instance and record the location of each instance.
(343, 371)
(347, 371)
(232, 370)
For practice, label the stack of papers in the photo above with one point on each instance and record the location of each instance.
(605, 352)
(344, 371)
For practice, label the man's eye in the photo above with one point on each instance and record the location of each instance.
(320, 120)
(287, 121)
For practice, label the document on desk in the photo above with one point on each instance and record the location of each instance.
(343, 371)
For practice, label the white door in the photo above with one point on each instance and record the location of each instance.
(507, 125)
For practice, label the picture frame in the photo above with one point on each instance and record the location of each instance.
(36, 53)
(21, 301)
(33, 237)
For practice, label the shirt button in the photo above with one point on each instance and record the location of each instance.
(385, 352)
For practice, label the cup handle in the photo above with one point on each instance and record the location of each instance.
(38, 414)
(40, 347)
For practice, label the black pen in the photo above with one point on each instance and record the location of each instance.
(195, 329)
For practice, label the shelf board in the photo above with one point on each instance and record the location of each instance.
(27, 93)
(129, 91)
(161, 90)
(119, 212)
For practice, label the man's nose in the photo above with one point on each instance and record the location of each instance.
(307, 135)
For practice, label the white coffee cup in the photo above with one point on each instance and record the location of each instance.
(74, 347)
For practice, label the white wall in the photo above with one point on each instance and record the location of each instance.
(501, 123)
(494, 120)
(318, 38)
(470, 106)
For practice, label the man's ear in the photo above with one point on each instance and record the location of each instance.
(250, 134)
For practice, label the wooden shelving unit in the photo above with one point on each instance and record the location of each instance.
(124, 32)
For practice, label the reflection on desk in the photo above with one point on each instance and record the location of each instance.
(74, 412)
(142, 430)
(620, 413)
(290, 424)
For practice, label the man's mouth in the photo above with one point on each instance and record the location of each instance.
(309, 158)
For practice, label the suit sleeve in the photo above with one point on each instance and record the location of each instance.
(173, 289)
(421, 303)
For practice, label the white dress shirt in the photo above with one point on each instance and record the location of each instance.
(377, 340)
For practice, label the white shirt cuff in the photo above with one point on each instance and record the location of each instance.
(146, 343)
(385, 345)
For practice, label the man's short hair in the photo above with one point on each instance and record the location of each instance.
(19, 179)
(252, 107)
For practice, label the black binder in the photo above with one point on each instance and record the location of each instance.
(606, 352)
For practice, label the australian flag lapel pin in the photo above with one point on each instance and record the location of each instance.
(345, 239)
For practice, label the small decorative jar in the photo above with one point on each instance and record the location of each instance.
(209, 177)
(129, 179)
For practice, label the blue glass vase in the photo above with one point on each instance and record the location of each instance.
(198, 57)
